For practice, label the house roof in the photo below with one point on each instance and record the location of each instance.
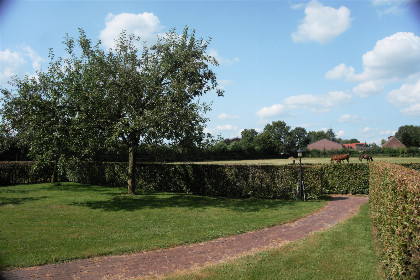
(325, 144)
(354, 145)
(393, 143)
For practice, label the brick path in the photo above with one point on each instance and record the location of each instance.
(196, 255)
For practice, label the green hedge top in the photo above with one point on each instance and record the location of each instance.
(395, 210)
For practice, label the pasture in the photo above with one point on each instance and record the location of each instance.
(45, 223)
(305, 160)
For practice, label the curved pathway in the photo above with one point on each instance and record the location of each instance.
(196, 255)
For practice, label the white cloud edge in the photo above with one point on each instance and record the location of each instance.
(321, 24)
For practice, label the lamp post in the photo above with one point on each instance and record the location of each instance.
(300, 189)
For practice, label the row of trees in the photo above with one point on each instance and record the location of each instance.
(93, 101)
(279, 140)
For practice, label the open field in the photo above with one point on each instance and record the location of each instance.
(46, 223)
(346, 251)
(312, 161)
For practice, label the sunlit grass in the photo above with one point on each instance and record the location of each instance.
(45, 223)
(346, 251)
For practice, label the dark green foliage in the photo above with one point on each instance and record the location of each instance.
(13, 173)
(415, 166)
(264, 181)
(409, 135)
(395, 206)
(346, 178)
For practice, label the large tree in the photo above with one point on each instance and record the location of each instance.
(279, 132)
(120, 96)
(409, 135)
(315, 136)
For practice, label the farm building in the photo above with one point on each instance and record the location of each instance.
(393, 143)
(326, 145)
(354, 146)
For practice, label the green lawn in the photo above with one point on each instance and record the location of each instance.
(312, 161)
(44, 223)
(346, 251)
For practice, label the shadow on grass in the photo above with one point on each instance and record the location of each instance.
(76, 187)
(133, 203)
(18, 200)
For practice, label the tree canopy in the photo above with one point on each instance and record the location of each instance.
(409, 135)
(92, 99)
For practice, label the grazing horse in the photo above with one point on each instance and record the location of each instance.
(366, 157)
(339, 158)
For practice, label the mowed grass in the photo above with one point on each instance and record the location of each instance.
(312, 161)
(347, 251)
(45, 223)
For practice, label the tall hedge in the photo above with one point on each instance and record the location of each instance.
(268, 181)
(395, 210)
(13, 173)
(346, 178)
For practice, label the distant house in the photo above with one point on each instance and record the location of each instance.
(393, 143)
(354, 146)
(326, 145)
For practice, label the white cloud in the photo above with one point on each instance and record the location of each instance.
(386, 132)
(16, 62)
(318, 103)
(274, 110)
(366, 129)
(412, 110)
(315, 103)
(393, 59)
(224, 116)
(340, 133)
(395, 7)
(145, 25)
(339, 72)
(220, 128)
(223, 83)
(11, 64)
(396, 56)
(369, 88)
(348, 118)
(223, 61)
(226, 127)
(407, 96)
(322, 23)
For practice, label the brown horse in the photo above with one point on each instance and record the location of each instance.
(366, 157)
(339, 158)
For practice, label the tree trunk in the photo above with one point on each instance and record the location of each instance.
(132, 169)
(55, 172)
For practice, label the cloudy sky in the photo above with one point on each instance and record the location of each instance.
(353, 66)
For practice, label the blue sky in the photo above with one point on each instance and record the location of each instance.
(353, 66)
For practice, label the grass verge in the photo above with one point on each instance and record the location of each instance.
(346, 251)
(44, 223)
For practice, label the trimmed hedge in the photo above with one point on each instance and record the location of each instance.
(13, 173)
(395, 207)
(265, 181)
(415, 166)
(346, 178)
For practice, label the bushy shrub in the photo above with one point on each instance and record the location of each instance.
(395, 210)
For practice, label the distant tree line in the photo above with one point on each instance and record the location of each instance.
(277, 140)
